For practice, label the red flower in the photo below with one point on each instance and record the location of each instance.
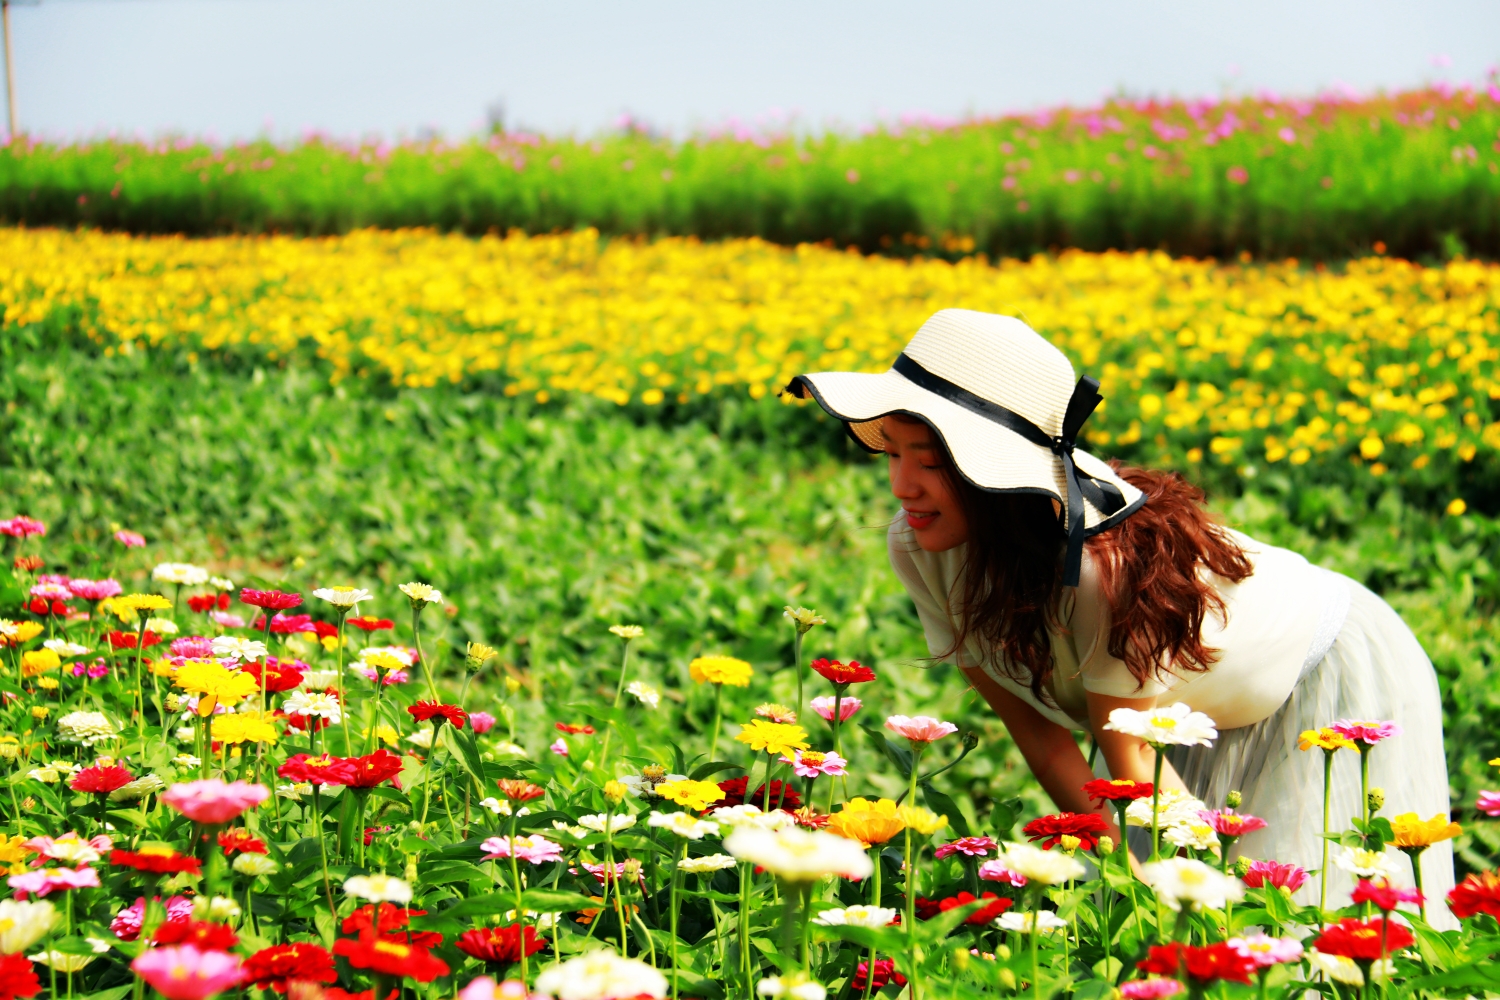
(981, 915)
(42, 606)
(321, 770)
(240, 840)
(207, 602)
(206, 936)
(388, 956)
(520, 791)
(783, 796)
(424, 710)
(17, 979)
(367, 623)
(1384, 895)
(126, 640)
(371, 831)
(278, 675)
(1104, 789)
(927, 908)
(392, 918)
(1364, 940)
(809, 818)
(885, 970)
(1203, 965)
(100, 780)
(1479, 893)
(156, 862)
(271, 600)
(279, 964)
(372, 769)
(303, 723)
(1085, 826)
(325, 630)
(581, 729)
(28, 563)
(843, 673)
(499, 944)
(285, 624)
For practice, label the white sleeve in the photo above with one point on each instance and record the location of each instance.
(1102, 673)
(931, 610)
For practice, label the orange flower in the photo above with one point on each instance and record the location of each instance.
(867, 822)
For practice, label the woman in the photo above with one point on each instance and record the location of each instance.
(1065, 588)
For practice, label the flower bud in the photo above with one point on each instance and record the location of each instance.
(9, 751)
(970, 740)
(1106, 845)
(1376, 799)
(1242, 867)
(615, 791)
(477, 656)
(512, 685)
(1233, 800)
(173, 703)
(1003, 951)
(1008, 979)
(960, 958)
(411, 867)
(40, 712)
(219, 909)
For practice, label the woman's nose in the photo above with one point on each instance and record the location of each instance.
(903, 486)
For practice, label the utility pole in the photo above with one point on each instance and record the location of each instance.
(10, 71)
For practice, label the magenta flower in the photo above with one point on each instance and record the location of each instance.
(65, 848)
(193, 647)
(823, 705)
(1228, 823)
(225, 619)
(995, 871)
(485, 988)
(182, 972)
(213, 800)
(537, 850)
(127, 923)
(130, 539)
(44, 881)
(1365, 731)
(95, 670)
(391, 676)
(22, 526)
(1237, 175)
(482, 722)
(94, 590)
(1150, 989)
(974, 847)
(1276, 874)
(1489, 803)
(812, 763)
(922, 729)
(1266, 951)
(559, 747)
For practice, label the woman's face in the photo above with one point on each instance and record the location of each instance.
(920, 482)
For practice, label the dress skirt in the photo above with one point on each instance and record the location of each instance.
(1374, 669)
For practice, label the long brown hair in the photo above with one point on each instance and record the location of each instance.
(1149, 565)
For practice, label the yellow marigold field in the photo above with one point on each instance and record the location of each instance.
(1389, 360)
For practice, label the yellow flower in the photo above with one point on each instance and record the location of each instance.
(720, 670)
(627, 632)
(242, 727)
(421, 594)
(616, 791)
(1413, 832)
(923, 821)
(40, 712)
(773, 737)
(143, 602)
(694, 795)
(162, 667)
(38, 661)
(16, 633)
(13, 852)
(384, 662)
(47, 683)
(867, 822)
(803, 618)
(386, 734)
(215, 683)
(1324, 739)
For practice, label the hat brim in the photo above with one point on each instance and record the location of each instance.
(987, 454)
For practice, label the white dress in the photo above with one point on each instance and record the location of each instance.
(1299, 647)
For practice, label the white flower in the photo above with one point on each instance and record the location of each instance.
(421, 738)
(507, 748)
(1336, 967)
(1367, 864)
(1184, 880)
(645, 693)
(378, 888)
(1197, 835)
(421, 594)
(24, 924)
(184, 573)
(1175, 807)
(627, 631)
(708, 863)
(219, 909)
(800, 855)
(597, 821)
(315, 704)
(63, 647)
(752, 817)
(294, 792)
(794, 987)
(134, 791)
(232, 647)
(319, 680)
(501, 807)
(1173, 725)
(343, 597)
(541, 921)
(253, 865)
(221, 583)
(601, 975)
(186, 761)
(1043, 920)
(857, 916)
(406, 656)
(184, 734)
(62, 961)
(161, 626)
(1037, 865)
(87, 728)
(683, 824)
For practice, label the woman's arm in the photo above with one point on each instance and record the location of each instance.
(1128, 757)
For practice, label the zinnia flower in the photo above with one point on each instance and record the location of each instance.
(423, 711)
(45, 881)
(1117, 789)
(1364, 940)
(98, 780)
(847, 706)
(270, 600)
(684, 825)
(1276, 874)
(995, 871)
(520, 791)
(797, 855)
(812, 763)
(17, 977)
(1203, 965)
(1228, 823)
(1155, 988)
(535, 849)
(720, 670)
(213, 800)
(707, 863)
(601, 975)
(1368, 732)
(156, 859)
(1384, 895)
(1267, 951)
(1085, 826)
(772, 737)
(690, 794)
(130, 539)
(1488, 803)
(389, 956)
(1172, 725)
(278, 965)
(185, 574)
(1185, 880)
(343, 597)
(921, 729)
(1411, 831)
(481, 722)
(500, 944)
(1477, 893)
(1042, 921)
(867, 822)
(973, 847)
(378, 888)
(843, 674)
(859, 915)
(23, 924)
(1327, 738)
(992, 908)
(1038, 865)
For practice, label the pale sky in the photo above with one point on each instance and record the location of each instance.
(238, 68)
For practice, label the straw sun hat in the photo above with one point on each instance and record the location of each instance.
(1004, 402)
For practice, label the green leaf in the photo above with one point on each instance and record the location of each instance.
(1004, 815)
(113, 993)
(460, 743)
(896, 755)
(703, 771)
(941, 803)
(556, 901)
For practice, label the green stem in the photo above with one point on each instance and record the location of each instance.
(797, 662)
(874, 901)
(610, 729)
(323, 852)
(416, 637)
(1156, 806)
(713, 740)
(515, 881)
(744, 927)
(343, 696)
(1327, 825)
(672, 904)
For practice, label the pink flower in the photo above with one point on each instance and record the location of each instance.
(1267, 951)
(602, 873)
(1275, 874)
(130, 539)
(559, 747)
(214, 800)
(811, 763)
(1228, 823)
(127, 923)
(48, 880)
(482, 722)
(193, 647)
(62, 848)
(974, 847)
(1150, 989)
(391, 677)
(1287, 134)
(182, 972)
(95, 670)
(93, 590)
(1489, 803)
(224, 619)
(1367, 731)
(920, 729)
(52, 591)
(537, 850)
(22, 526)
(823, 705)
(1238, 175)
(995, 871)
(485, 988)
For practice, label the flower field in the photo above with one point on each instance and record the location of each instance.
(1321, 178)
(212, 788)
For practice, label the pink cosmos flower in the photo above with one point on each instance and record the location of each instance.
(193, 647)
(482, 722)
(130, 539)
(1267, 951)
(921, 728)
(974, 847)
(1150, 989)
(94, 590)
(995, 871)
(48, 880)
(559, 747)
(1489, 803)
(183, 972)
(812, 763)
(823, 705)
(22, 526)
(1276, 874)
(224, 619)
(537, 850)
(213, 800)
(127, 923)
(1367, 731)
(1228, 823)
(52, 591)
